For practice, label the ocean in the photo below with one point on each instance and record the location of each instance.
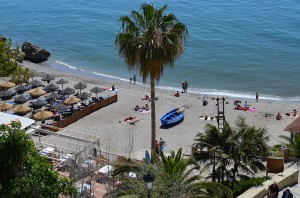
(235, 48)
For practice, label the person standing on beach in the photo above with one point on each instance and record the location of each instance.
(162, 145)
(130, 79)
(256, 97)
(185, 86)
(134, 78)
(157, 147)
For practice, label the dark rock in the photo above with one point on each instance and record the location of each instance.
(34, 53)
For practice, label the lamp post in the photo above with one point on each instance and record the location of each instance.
(148, 179)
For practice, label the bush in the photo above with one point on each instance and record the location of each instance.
(244, 184)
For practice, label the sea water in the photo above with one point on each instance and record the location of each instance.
(235, 48)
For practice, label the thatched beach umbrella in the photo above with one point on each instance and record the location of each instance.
(22, 109)
(80, 86)
(6, 93)
(22, 98)
(53, 95)
(60, 106)
(43, 115)
(68, 91)
(39, 103)
(7, 84)
(36, 83)
(22, 88)
(84, 95)
(61, 82)
(51, 87)
(37, 92)
(294, 127)
(72, 100)
(5, 107)
(97, 90)
(48, 78)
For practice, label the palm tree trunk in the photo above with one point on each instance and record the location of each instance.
(153, 119)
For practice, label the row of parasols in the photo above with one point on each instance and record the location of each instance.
(50, 87)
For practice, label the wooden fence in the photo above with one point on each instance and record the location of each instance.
(86, 111)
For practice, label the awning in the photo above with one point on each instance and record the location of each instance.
(6, 118)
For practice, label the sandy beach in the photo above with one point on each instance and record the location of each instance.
(120, 137)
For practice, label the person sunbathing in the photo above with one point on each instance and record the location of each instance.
(176, 94)
(138, 108)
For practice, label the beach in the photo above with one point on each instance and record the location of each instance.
(118, 136)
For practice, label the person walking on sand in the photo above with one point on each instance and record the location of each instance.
(256, 97)
(134, 78)
(183, 87)
(130, 79)
(162, 145)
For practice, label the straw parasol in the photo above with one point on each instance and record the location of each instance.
(51, 87)
(21, 98)
(61, 82)
(84, 95)
(36, 83)
(80, 86)
(37, 92)
(39, 103)
(97, 90)
(7, 84)
(294, 127)
(6, 93)
(48, 78)
(53, 95)
(68, 91)
(43, 115)
(72, 100)
(60, 106)
(22, 88)
(5, 107)
(22, 109)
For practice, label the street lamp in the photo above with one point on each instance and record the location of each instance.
(149, 179)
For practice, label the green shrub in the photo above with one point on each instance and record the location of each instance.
(244, 184)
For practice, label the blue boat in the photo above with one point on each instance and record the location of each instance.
(173, 117)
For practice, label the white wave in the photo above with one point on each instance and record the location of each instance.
(66, 64)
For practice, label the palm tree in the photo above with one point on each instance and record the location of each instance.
(149, 41)
(174, 177)
(216, 143)
(293, 144)
(233, 149)
(247, 142)
(15, 148)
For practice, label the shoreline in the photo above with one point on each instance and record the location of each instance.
(108, 123)
(58, 65)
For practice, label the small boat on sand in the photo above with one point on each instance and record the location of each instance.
(173, 117)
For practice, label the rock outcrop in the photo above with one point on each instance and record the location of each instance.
(34, 53)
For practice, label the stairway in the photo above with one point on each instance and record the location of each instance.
(221, 112)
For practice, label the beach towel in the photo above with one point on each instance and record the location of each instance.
(145, 111)
(110, 89)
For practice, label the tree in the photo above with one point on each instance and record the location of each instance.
(149, 41)
(174, 177)
(9, 66)
(293, 144)
(23, 172)
(235, 149)
(15, 149)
